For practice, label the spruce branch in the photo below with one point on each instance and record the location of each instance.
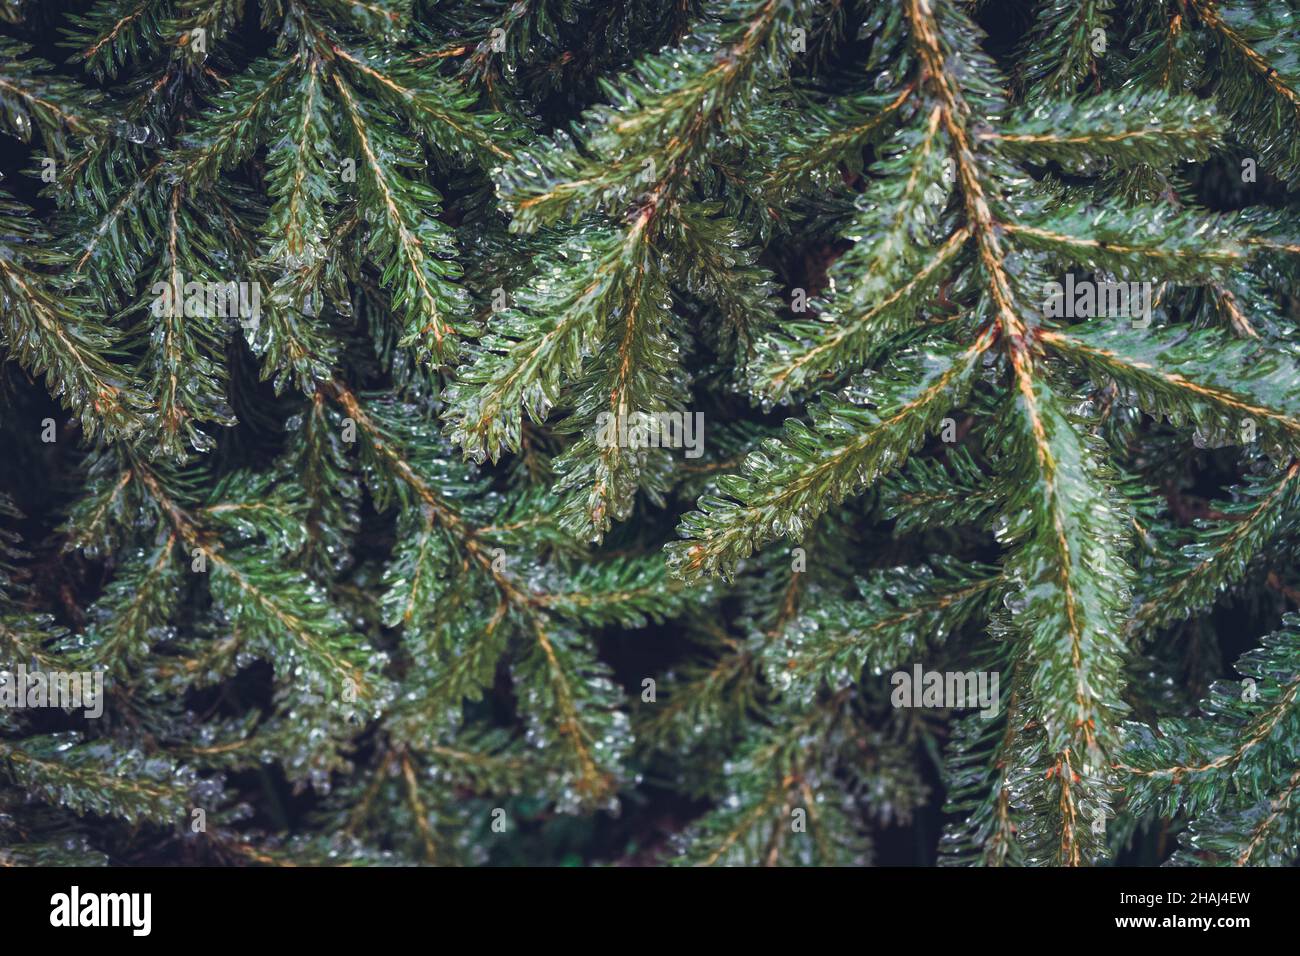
(34, 99)
(407, 241)
(891, 269)
(667, 112)
(898, 611)
(1191, 577)
(1230, 773)
(1170, 371)
(55, 332)
(1264, 90)
(1061, 51)
(1069, 538)
(786, 486)
(1126, 127)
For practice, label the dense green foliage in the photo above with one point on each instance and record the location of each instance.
(369, 581)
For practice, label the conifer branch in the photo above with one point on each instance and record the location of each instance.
(1166, 371)
(783, 489)
(406, 235)
(1220, 554)
(1073, 586)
